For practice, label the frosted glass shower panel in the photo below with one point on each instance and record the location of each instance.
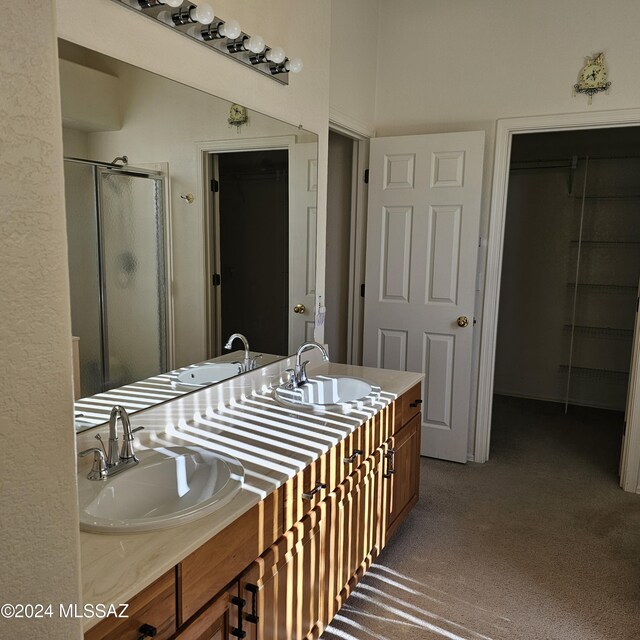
(84, 271)
(133, 258)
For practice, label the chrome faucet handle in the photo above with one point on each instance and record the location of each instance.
(127, 452)
(252, 361)
(98, 437)
(291, 383)
(99, 467)
(301, 373)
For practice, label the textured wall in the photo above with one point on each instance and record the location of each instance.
(39, 533)
(354, 62)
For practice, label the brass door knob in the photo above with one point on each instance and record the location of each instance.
(299, 308)
(463, 321)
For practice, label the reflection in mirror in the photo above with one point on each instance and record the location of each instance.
(184, 226)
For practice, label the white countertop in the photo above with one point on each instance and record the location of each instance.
(238, 417)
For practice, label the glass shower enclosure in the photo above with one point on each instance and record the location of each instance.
(118, 272)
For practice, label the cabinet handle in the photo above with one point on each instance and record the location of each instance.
(319, 487)
(238, 632)
(415, 403)
(147, 631)
(389, 457)
(253, 616)
(353, 457)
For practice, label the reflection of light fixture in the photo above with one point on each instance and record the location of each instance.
(198, 22)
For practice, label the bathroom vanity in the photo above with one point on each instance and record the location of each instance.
(322, 495)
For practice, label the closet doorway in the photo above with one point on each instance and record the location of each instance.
(569, 287)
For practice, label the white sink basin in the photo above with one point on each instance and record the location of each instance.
(205, 374)
(324, 393)
(168, 487)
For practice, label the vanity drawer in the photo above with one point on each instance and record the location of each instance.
(209, 569)
(309, 487)
(408, 405)
(154, 606)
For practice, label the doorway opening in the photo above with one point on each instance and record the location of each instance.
(568, 291)
(248, 249)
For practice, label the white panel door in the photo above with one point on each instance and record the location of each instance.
(303, 176)
(422, 249)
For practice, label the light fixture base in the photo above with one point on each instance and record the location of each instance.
(231, 49)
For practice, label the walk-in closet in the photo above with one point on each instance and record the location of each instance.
(570, 272)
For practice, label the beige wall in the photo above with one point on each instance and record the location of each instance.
(301, 27)
(354, 56)
(459, 66)
(39, 534)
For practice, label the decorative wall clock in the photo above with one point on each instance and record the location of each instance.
(238, 115)
(593, 77)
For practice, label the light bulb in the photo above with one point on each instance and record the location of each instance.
(203, 13)
(276, 54)
(255, 44)
(171, 3)
(134, 4)
(230, 29)
(294, 65)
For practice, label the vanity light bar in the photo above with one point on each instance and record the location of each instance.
(199, 23)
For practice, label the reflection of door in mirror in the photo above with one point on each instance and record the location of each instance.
(116, 246)
(251, 213)
(262, 241)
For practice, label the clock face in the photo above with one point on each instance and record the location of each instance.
(237, 114)
(593, 75)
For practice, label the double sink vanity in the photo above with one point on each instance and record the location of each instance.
(250, 508)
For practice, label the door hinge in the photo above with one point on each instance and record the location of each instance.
(215, 186)
(366, 176)
(362, 290)
(216, 280)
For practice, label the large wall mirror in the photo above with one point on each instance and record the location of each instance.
(185, 225)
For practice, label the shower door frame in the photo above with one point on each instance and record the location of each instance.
(139, 172)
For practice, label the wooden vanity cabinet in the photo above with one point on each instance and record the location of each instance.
(209, 569)
(284, 569)
(282, 591)
(356, 519)
(214, 622)
(153, 608)
(402, 470)
(294, 589)
(312, 485)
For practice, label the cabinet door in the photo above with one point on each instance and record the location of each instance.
(402, 473)
(153, 610)
(283, 590)
(354, 530)
(213, 622)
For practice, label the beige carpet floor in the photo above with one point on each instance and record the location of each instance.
(538, 544)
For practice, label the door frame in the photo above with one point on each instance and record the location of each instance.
(360, 137)
(213, 147)
(506, 128)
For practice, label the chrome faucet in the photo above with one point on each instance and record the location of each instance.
(249, 363)
(299, 374)
(108, 463)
